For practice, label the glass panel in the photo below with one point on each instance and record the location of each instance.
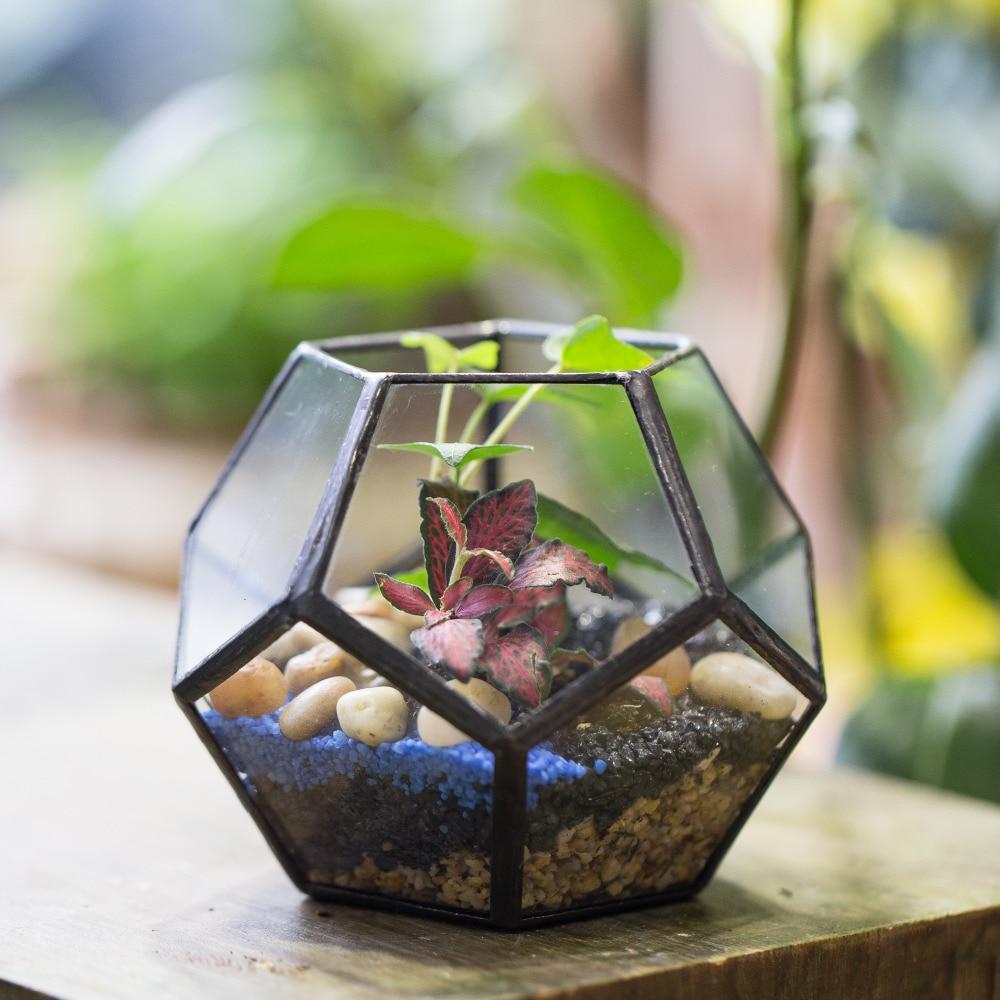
(245, 546)
(779, 588)
(746, 516)
(336, 760)
(634, 796)
(596, 492)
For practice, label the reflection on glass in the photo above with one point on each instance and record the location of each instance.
(243, 550)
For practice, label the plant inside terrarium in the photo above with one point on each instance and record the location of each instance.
(495, 602)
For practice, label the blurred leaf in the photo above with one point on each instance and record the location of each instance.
(929, 100)
(372, 246)
(456, 454)
(943, 732)
(442, 355)
(966, 472)
(558, 521)
(591, 346)
(597, 228)
(559, 395)
(483, 355)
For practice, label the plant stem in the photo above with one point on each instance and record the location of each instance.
(461, 558)
(441, 430)
(511, 417)
(798, 222)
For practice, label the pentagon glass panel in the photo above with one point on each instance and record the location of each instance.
(587, 467)
(438, 628)
(242, 550)
(636, 796)
(752, 526)
(401, 819)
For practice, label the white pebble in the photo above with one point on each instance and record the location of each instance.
(674, 668)
(438, 732)
(373, 716)
(255, 689)
(733, 680)
(315, 709)
(326, 659)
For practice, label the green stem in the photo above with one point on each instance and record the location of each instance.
(461, 558)
(441, 430)
(475, 419)
(799, 213)
(500, 431)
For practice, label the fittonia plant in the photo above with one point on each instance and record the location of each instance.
(495, 603)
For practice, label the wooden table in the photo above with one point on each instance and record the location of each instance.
(129, 870)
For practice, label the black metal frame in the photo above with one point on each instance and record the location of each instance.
(305, 600)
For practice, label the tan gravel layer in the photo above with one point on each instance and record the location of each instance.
(656, 843)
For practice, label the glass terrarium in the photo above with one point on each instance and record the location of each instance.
(506, 621)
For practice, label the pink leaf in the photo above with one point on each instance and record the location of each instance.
(505, 565)
(556, 562)
(527, 603)
(454, 594)
(452, 520)
(433, 617)
(516, 663)
(653, 690)
(438, 548)
(481, 601)
(552, 622)
(454, 644)
(503, 521)
(404, 596)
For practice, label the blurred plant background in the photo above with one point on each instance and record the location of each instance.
(185, 194)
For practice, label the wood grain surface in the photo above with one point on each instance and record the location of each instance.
(129, 870)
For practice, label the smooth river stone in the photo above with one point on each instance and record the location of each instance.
(255, 689)
(373, 715)
(325, 659)
(733, 680)
(438, 732)
(315, 709)
(673, 668)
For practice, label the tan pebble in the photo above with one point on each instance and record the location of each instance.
(297, 639)
(255, 689)
(373, 715)
(325, 659)
(364, 674)
(735, 681)
(674, 667)
(361, 601)
(314, 709)
(438, 732)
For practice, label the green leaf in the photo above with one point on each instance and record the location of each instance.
(943, 731)
(483, 355)
(441, 355)
(562, 395)
(379, 247)
(557, 521)
(602, 235)
(417, 577)
(966, 475)
(457, 453)
(591, 346)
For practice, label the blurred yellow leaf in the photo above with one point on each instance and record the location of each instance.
(932, 617)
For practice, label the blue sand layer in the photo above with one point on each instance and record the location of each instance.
(463, 772)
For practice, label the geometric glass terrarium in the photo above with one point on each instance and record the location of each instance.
(505, 622)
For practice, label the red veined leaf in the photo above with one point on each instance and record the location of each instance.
(454, 594)
(404, 596)
(527, 602)
(481, 601)
(461, 498)
(505, 565)
(653, 690)
(552, 622)
(556, 562)
(454, 644)
(516, 663)
(439, 552)
(503, 521)
(452, 520)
